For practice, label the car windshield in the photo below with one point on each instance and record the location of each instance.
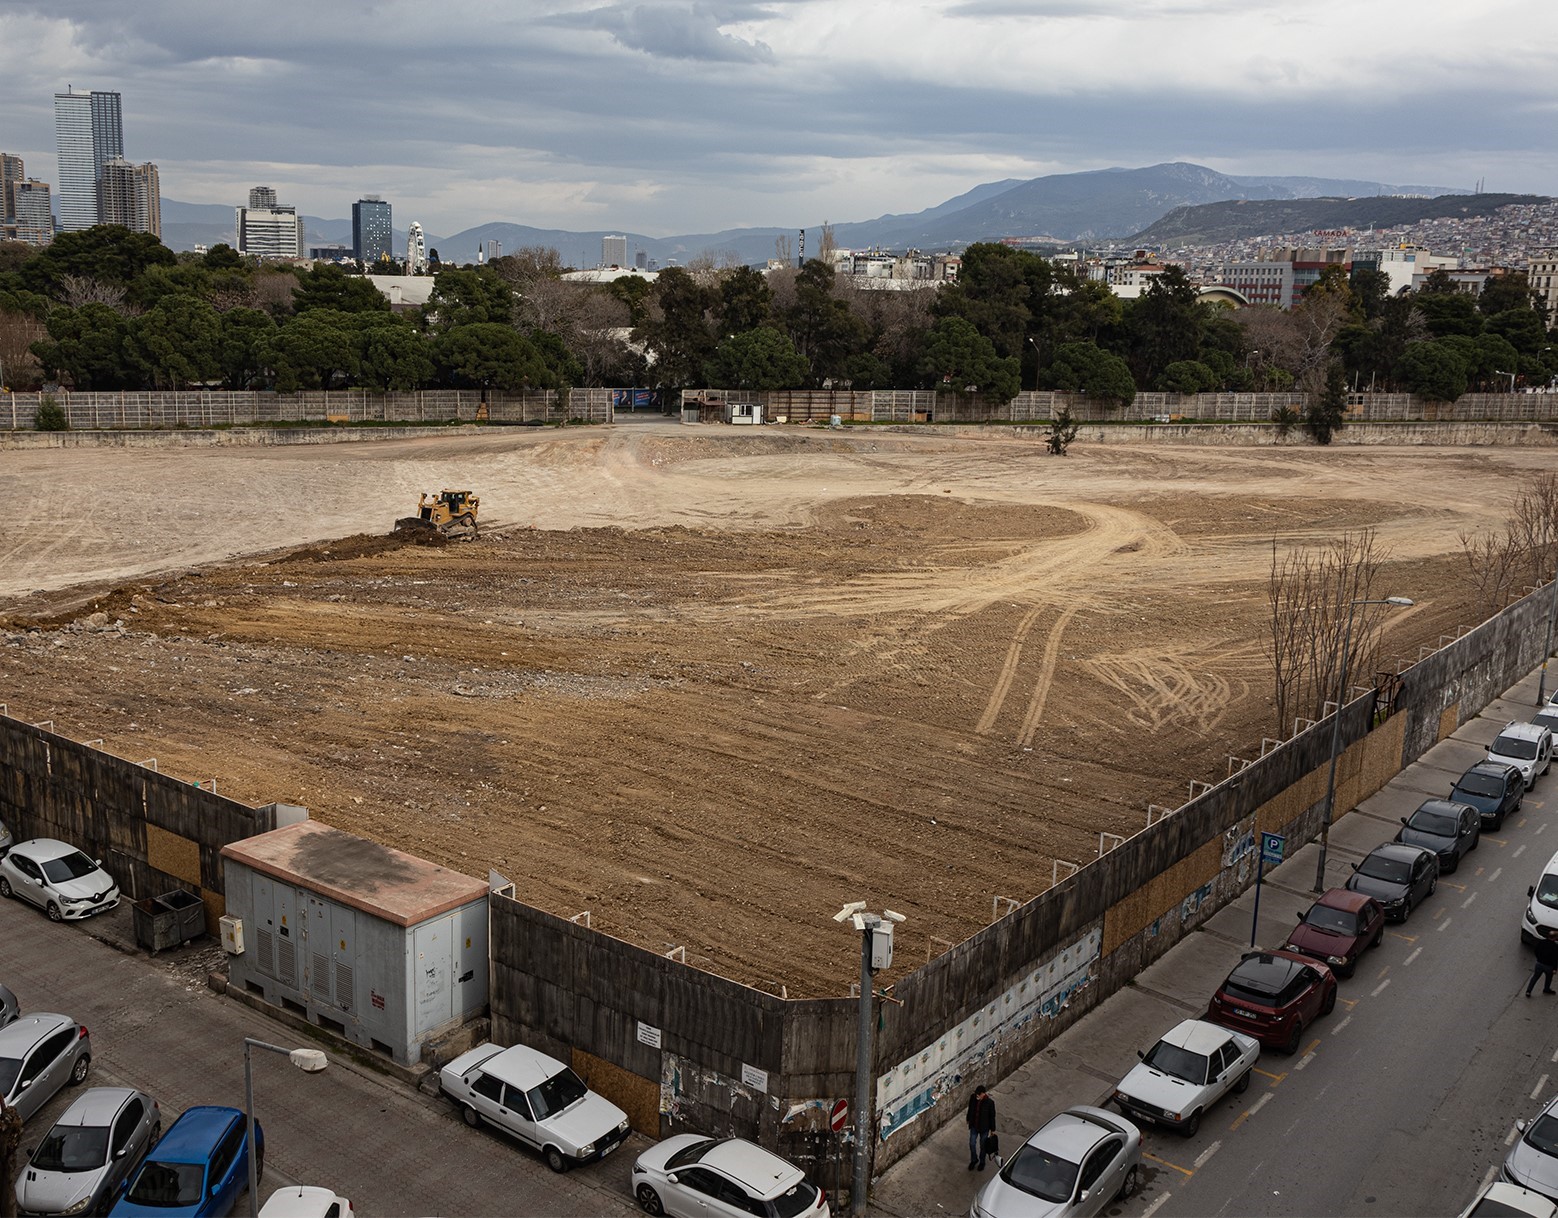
(1180, 1063)
(1546, 894)
(1323, 917)
(552, 1096)
(1378, 867)
(10, 1070)
(1479, 784)
(168, 1185)
(1514, 746)
(1042, 1174)
(67, 867)
(689, 1154)
(794, 1201)
(1437, 823)
(1542, 1134)
(72, 1148)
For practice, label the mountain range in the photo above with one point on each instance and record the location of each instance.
(1092, 207)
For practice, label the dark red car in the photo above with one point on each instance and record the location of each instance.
(1338, 928)
(1273, 996)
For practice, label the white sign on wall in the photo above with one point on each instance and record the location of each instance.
(752, 1077)
(648, 1035)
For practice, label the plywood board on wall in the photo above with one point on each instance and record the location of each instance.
(638, 1097)
(173, 854)
(1162, 893)
(1449, 720)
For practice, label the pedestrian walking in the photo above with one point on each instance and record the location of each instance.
(1546, 962)
(981, 1125)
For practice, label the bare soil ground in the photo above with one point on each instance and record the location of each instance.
(708, 685)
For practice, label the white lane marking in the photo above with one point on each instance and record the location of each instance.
(1207, 1154)
(1261, 1103)
(1487, 1177)
(1416, 952)
(1377, 990)
(1540, 1083)
(1518, 853)
(1443, 924)
(1497, 871)
(1348, 1020)
(1468, 900)
(1304, 1061)
(1541, 826)
(1155, 1206)
(1554, 1057)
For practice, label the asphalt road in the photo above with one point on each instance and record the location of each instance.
(372, 1139)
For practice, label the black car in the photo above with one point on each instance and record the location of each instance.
(1450, 830)
(1397, 876)
(1494, 789)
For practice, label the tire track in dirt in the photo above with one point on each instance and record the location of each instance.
(1042, 683)
(1003, 681)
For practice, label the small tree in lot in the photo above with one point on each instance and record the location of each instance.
(1061, 431)
(51, 415)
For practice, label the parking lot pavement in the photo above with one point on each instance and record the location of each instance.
(1082, 1065)
(387, 1148)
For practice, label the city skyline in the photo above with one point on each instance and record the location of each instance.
(661, 117)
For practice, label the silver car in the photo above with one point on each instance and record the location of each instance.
(39, 1054)
(92, 1149)
(1078, 1163)
(1533, 1161)
(58, 879)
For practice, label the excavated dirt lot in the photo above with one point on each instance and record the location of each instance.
(707, 685)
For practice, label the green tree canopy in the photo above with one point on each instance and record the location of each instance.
(1100, 374)
(958, 358)
(489, 356)
(327, 286)
(745, 301)
(1163, 324)
(822, 326)
(763, 358)
(1448, 313)
(177, 343)
(243, 346)
(465, 296)
(677, 328)
(87, 346)
(394, 355)
(107, 252)
(1187, 376)
(1433, 370)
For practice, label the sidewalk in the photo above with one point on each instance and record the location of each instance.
(1083, 1064)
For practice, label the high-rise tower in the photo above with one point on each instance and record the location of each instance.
(372, 236)
(88, 133)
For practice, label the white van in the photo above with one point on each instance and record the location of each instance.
(1542, 907)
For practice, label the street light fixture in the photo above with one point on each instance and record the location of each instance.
(1336, 733)
(876, 952)
(311, 1061)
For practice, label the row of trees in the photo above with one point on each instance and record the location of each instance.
(110, 309)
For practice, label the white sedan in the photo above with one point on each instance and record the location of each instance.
(1190, 1069)
(306, 1201)
(58, 879)
(692, 1176)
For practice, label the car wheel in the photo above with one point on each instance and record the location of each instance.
(1433, 884)
(1329, 1004)
(5, 888)
(555, 1160)
(156, 1132)
(1243, 1084)
(259, 1162)
(1379, 936)
(78, 1072)
(1129, 1185)
(53, 910)
(649, 1200)
(1191, 1125)
(470, 1116)
(1294, 1038)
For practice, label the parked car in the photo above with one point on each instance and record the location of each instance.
(58, 879)
(1541, 913)
(39, 1054)
(1496, 790)
(200, 1167)
(1338, 928)
(1398, 876)
(537, 1099)
(1192, 1067)
(81, 1163)
(6, 841)
(1450, 830)
(1548, 717)
(9, 1007)
(305, 1201)
(690, 1175)
(1077, 1163)
(1501, 1200)
(1533, 1161)
(1274, 996)
(1526, 746)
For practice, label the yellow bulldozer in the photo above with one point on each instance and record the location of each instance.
(452, 513)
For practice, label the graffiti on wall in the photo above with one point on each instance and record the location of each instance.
(915, 1086)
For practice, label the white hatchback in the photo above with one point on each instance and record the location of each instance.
(1185, 1073)
(693, 1176)
(537, 1099)
(58, 879)
(1526, 746)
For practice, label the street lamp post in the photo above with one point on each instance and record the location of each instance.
(876, 952)
(1336, 734)
(312, 1061)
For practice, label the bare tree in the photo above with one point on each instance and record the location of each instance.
(1492, 563)
(18, 367)
(784, 251)
(78, 290)
(826, 246)
(1533, 524)
(1312, 592)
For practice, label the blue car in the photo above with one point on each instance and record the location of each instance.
(200, 1167)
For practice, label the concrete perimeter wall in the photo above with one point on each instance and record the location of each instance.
(683, 1049)
(154, 833)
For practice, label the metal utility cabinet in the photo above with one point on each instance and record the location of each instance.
(375, 945)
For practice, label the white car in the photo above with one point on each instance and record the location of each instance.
(58, 879)
(305, 1201)
(1533, 1161)
(1075, 1166)
(537, 1099)
(1501, 1200)
(1526, 746)
(1190, 1069)
(692, 1176)
(1541, 913)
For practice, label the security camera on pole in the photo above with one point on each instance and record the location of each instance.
(876, 953)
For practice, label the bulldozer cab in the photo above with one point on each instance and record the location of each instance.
(448, 511)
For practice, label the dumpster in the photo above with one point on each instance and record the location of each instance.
(168, 920)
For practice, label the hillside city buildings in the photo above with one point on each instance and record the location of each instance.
(97, 185)
(266, 228)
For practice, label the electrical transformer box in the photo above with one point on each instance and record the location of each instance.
(378, 946)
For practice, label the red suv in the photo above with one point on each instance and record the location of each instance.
(1338, 928)
(1273, 996)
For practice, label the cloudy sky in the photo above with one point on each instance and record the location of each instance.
(666, 117)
